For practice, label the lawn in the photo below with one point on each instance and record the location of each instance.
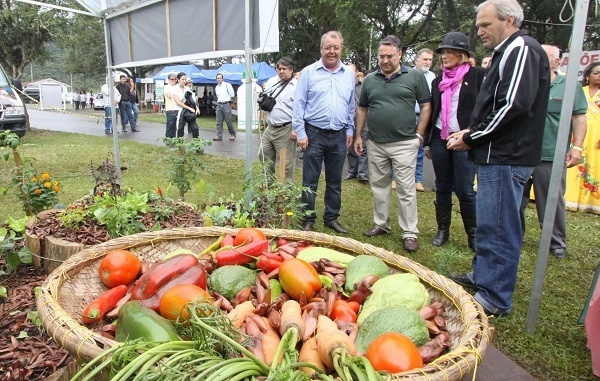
(557, 351)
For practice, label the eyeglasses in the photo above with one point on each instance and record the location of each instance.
(172, 79)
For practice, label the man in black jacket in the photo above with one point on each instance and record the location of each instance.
(505, 140)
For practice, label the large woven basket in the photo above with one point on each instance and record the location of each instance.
(75, 283)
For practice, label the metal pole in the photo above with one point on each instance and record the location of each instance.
(111, 85)
(249, 96)
(566, 112)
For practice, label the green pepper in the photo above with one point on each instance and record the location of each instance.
(139, 322)
(276, 289)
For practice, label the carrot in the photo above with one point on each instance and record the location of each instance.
(331, 342)
(240, 312)
(310, 354)
(291, 318)
(95, 311)
(270, 342)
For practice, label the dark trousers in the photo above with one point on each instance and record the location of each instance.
(171, 119)
(192, 126)
(327, 146)
(453, 172)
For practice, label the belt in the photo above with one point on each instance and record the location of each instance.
(223, 103)
(323, 130)
(281, 125)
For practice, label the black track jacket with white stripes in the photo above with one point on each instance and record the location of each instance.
(507, 123)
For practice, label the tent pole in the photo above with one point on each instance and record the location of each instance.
(566, 112)
(111, 85)
(249, 97)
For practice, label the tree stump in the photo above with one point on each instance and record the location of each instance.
(33, 243)
(57, 250)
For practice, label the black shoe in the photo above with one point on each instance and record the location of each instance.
(350, 177)
(463, 280)
(307, 226)
(134, 130)
(337, 227)
(560, 253)
(377, 230)
(363, 180)
(108, 132)
(218, 139)
(123, 130)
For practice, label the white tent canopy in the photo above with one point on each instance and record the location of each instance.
(152, 32)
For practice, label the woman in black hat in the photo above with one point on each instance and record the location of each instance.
(453, 96)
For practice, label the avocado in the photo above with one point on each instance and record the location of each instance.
(392, 319)
(229, 280)
(362, 266)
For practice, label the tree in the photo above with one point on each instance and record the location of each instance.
(25, 31)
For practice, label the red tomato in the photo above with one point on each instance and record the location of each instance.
(174, 300)
(247, 235)
(119, 267)
(394, 352)
(298, 277)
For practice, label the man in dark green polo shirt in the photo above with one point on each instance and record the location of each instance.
(541, 174)
(387, 104)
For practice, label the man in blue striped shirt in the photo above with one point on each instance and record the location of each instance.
(323, 119)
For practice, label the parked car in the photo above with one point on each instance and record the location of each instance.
(12, 109)
(98, 102)
(67, 97)
(32, 94)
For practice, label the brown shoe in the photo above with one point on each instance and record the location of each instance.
(410, 244)
(393, 184)
(217, 139)
(420, 187)
(307, 226)
(232, 137)
(377, 230)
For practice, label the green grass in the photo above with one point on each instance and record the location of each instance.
(557, 351)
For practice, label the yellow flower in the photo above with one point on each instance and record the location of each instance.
(34, 178)
(56, 188)
(38, 191)
(45, 176)
(56, 183)
(290, 213)
(47, 184)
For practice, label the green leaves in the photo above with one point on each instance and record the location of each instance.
(119, 213)
(184, 162)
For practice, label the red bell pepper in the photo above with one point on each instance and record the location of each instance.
(242, 254)
(342, 311)
(181, 269)
(267, 264)
(95, 311)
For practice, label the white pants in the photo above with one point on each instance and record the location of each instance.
(402, 158)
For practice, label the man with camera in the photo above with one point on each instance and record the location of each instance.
(279, 135)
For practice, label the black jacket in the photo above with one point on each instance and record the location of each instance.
(467, 96)
(507, 124)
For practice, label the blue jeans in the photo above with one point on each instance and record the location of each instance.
(171, 128)
(419, 167)
(107, 119)
(327, 146)
(126, 115)
(499, 235)
(453, 172)
(135, 110)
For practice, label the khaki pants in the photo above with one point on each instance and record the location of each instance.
(274, 140)
(402, 158)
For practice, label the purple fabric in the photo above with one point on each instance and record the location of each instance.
(451, 79)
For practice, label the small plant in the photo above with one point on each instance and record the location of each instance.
(106, 178)
(11, 235)
(278, 203)
(217, 215)
(36, 191)
(120, 213)
(184, 162)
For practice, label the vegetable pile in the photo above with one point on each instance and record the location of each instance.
(248, 308)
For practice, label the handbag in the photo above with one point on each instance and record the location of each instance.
(189, 116)
(267, 102)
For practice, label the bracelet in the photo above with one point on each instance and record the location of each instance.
(577, 148)
(419, 136)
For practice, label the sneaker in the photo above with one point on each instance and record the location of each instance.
(232, 137)
(463, 280)
(420, 187)
(108, 132)
(218, 139)
(560, 253)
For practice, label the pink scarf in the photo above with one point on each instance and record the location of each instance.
(451, 80)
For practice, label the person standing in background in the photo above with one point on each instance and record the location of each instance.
(358, 166)
(486, 61)
(423, 62)
(107, 114)
(170, 111)
(134, 101)
(125, 104)
(224, 92)
(323, 119)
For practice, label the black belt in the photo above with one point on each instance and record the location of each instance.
(281, 125)
(223, 103)
(326, 131)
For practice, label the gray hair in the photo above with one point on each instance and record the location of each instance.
(334, 34)
(505, 8)
(555, 51)
(392, 40)
(424, 50)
